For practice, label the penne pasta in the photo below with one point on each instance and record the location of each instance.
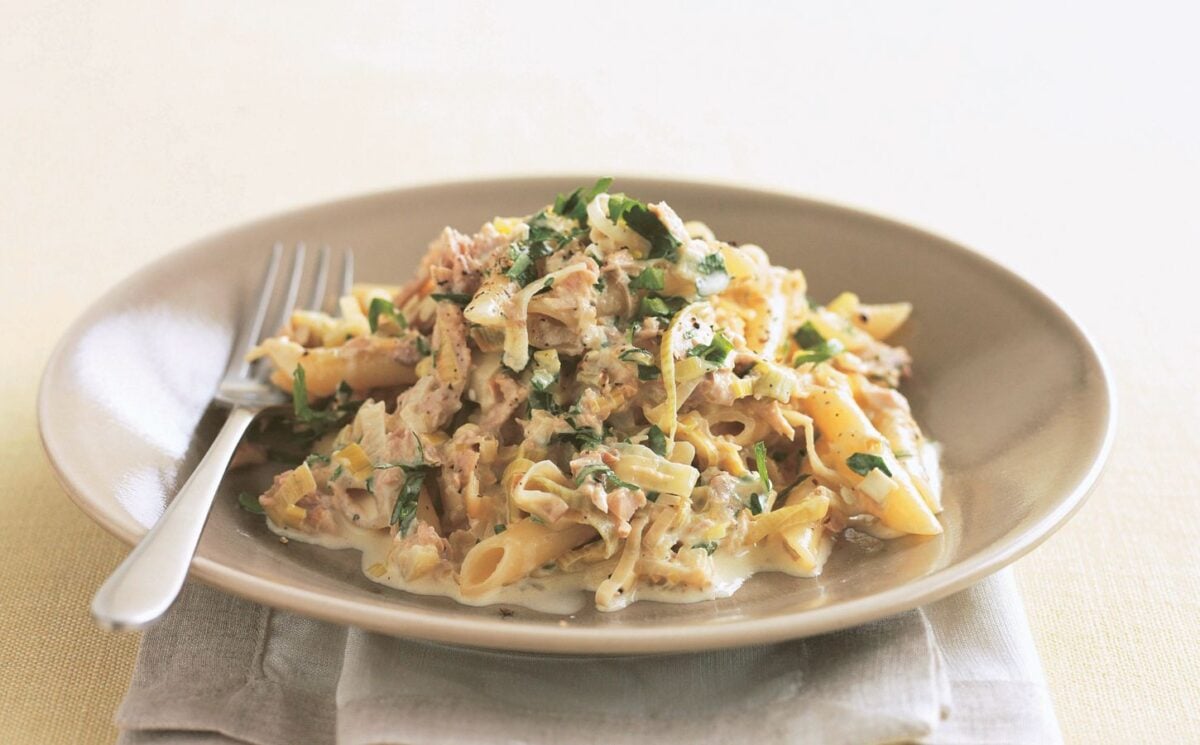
(512, 555)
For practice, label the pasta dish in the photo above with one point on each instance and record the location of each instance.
(600, 397)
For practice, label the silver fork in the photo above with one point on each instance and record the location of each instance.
(145, 585)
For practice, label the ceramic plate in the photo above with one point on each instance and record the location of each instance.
(1003, 377)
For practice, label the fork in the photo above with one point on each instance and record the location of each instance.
(147, 582)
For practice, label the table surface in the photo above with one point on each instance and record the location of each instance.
(1065, 144)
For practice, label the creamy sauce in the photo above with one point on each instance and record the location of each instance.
(558, 593)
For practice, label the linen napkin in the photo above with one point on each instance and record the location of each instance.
(223, 670)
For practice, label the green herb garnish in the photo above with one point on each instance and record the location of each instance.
(543, 400)
(405, 510)
(318, 420)
(807, 336)
(713, 275)
(249, 503)
(651, 278)
(662, 307)
(648, 372)
(760, 462)
(522, 266)
(712, 264)
(637, 355)
(758, 504)
(460, 298)
(542, 233)
(523, 255)
(708, 546)
(820, 353)
(656, 440)
(583, 438)
(619, 204)
(498, 529)
(862, 463)
(715, 352)
(381, 307)
(645, 223)
(603, 473)
(574, 205)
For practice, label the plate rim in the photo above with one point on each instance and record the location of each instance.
(591, 641)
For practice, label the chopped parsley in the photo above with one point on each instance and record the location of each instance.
(542, 400)
(758, 504)
(708, 546)
(574, 205)
(662, 307)
(543, 241)
(541, 233)
(651, 278)
(713, 276)
(714, 263)
(405, 510)
(638, 355)
(498, 529)
(760, 462)
(422, 346)
(656, 440)
(863, 463)
(651, 496)
(338, 411)
(647, 370)
(619, 204)
(601, 472)
(541, 397)
(819, 353)
(461, 298)
(249, 503)
(583, 438)
(645, 223)
(385, 308)
(807, 336)
(522, 269)
(715, 352)
(542, 378)
(316, 459)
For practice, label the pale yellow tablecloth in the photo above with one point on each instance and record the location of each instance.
(1063, 143)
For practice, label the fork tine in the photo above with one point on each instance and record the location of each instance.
(347, 272)
(249, 334)
(289, 301)
(316, 298)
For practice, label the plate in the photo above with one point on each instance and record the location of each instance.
(1003, 377)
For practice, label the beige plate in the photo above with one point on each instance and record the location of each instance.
(1003, 378)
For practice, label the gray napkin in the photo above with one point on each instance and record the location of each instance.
(223, 670)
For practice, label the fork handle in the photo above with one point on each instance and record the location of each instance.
(145, 585)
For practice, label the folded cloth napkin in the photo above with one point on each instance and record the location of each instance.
(223, 670)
